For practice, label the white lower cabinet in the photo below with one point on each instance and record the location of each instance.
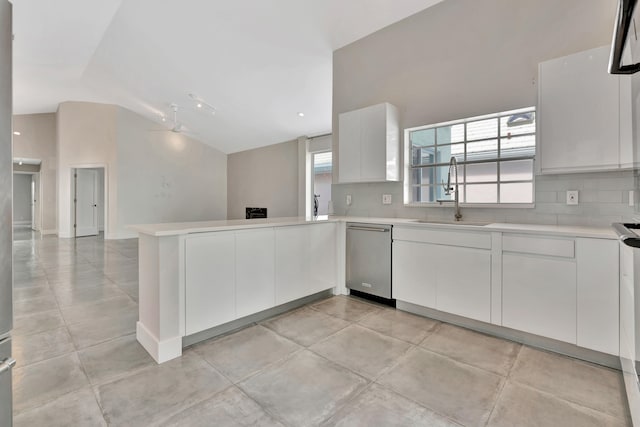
(210, 288)
(598, 294)
(539, 295)
(414, 269)
(233, 274)
(464, 282)
(255, 271)
(448, 278)
(305, 260)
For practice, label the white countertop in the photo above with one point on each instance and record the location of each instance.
(179, 228)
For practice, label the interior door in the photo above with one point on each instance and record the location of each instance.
(86, 202)
(33, 202)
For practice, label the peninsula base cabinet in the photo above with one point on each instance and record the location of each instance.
(305, 261)
(234, 274)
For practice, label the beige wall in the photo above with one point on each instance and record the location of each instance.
(165, 176)
(264, 177)
(86, 135)
(152, 175)
(37, 140)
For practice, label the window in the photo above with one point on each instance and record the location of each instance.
(494, 153)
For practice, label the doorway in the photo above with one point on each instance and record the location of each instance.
(88, 201)
(321, 182)
(27, 210)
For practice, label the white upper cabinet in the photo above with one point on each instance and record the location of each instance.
(368, 145)
(584, 115)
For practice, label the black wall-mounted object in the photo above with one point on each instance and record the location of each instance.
(625, 35)
(252, 213)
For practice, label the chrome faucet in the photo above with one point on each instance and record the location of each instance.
(453, 163)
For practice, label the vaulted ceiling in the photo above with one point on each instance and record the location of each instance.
(258, 63)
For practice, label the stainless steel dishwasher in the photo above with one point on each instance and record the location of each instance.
(369, 259)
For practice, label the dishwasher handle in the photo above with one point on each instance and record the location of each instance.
(360, 228)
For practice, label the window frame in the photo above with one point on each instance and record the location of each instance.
(498, 159)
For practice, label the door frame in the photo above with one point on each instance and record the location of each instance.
(105, 192)
(38, 223)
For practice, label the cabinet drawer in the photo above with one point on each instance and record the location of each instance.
(539, 246)
(467, 239)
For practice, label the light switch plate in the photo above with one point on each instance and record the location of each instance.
(572, 197)
(348, 199)
(386, 199)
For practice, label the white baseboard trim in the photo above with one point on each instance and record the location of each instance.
(22, 223)
(161, 351)
(46, 232)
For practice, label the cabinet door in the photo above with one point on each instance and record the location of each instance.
(414, 270)
(209, 281)
(539, 295)
(349, 146)
(373, 143)
(579, 113)
(598, 300)
(464, 282)
(322, 257)
(255, 271)
(292, 263)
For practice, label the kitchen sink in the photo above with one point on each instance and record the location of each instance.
(433, 221)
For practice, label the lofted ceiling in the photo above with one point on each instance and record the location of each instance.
(257, 62)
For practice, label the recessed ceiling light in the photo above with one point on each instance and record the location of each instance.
(301, 114)
(199, 105)
(16, 133)
(20, 163)
(163, 118)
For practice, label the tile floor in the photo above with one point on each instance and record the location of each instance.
(337, 362)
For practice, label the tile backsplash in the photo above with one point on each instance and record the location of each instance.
(603, 199)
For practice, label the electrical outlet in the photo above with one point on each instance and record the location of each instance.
(348, 199)
(386, 199)
(572, 197)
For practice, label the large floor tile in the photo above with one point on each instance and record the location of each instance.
(246, 352)
(68, 297)
(159, 392)
(461, 392)
(586, 384)
(399, 324)
(306, 326)
(378, 406)
(33, 323)
(91, 332)
(363, 351)
(303, 390)
(114, 359)
(523, 406)
(22, 294)
(229, 408)
(346, 308)
(41, 382)
(490, 353)
(73, 409)
(34, 305)
(28, 349)
(109, 308)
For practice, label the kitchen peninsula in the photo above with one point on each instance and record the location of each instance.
(202, 279)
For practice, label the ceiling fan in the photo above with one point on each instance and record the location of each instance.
(176, 126)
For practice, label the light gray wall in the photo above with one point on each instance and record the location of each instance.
(264, 177)
(21, 199)
(37, 140)
(164, 176)
(463, 58)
